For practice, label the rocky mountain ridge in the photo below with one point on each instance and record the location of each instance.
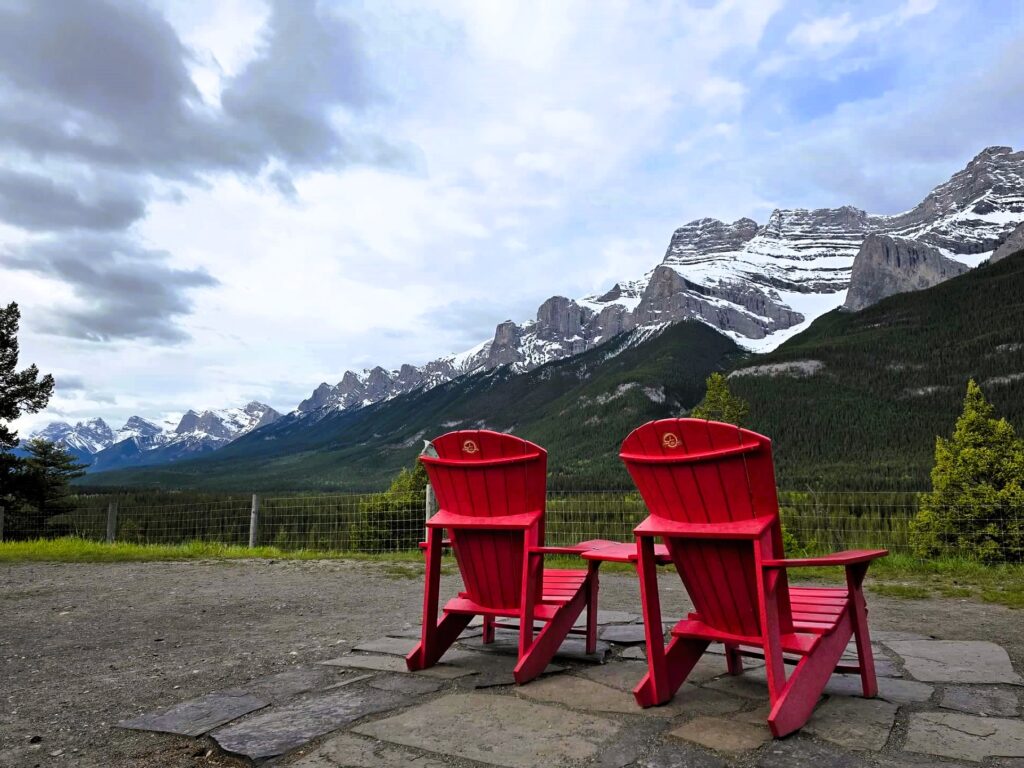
(757, 284)
(96, 444)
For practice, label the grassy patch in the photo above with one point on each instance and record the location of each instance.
(75, 550)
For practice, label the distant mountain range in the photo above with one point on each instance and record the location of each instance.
(758, 285)
(141, 442)
(852, 403)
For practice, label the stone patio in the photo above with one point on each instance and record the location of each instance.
(940, 703)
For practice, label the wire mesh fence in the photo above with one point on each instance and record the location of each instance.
(376, 523)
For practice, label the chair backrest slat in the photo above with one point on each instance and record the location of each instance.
(698, 471)
(480, 473)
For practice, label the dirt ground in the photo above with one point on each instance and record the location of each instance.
(84, 646)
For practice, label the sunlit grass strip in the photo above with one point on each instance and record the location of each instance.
(70, 549)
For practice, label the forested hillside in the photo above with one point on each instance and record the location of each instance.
(579, 409)
(892, 377)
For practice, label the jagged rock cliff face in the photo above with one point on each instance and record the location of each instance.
(1012, 244)
(887, 265)
(973, 212)
(758, 284)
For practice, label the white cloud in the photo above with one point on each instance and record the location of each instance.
(553, 148)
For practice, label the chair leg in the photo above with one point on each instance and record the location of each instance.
(681, 657)
(859, 617)
(431, 590)
(445, 633)
(653, 689)
(536, 658)
(592, 589)
(488, 630)
(733, 660)
(793, 707)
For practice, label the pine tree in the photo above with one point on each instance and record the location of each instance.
(719, 404)
(41, 490)
(20, 391)
(976, 506)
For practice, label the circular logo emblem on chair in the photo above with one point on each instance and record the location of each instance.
(670, 440)
(470, 447)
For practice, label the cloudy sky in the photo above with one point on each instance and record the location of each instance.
(207, 203)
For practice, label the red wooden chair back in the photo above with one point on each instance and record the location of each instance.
(480, 473)
(706, 472)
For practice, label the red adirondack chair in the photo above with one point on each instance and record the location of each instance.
(490, 488)
(710, 491)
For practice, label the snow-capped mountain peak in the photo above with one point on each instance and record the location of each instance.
(758, 284)
(94, 442)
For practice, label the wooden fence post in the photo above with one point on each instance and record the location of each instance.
(254, 520)
(111, 521)
(430, 507)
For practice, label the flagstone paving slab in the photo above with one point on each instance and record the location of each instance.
(497, 730)
(578, 693)
(624, 634)
(301, 679)
(572, 648)
(395, 646)
(345, 749)
(635, 653)
(624, 675)
(980, 701)
(748, 685)
(859, 724)
(414, 685)
(197, 716)
(281, 729)
(964, 737)
(896, 690)
(723, 735)
(693, 701)
(955, 661)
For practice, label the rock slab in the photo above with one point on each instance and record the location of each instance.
(859, 724)
(980, 701)
(625, 634)
(723, 735)
(282, 729)
(197, 716)
(964, 737)
(497, 730)
(344, 749)
(956, 661)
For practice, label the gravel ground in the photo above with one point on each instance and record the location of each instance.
(83, 646)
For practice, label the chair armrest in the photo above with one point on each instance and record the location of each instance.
(740, 529)
(446, 519)
(444, 543)
(849, 557)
